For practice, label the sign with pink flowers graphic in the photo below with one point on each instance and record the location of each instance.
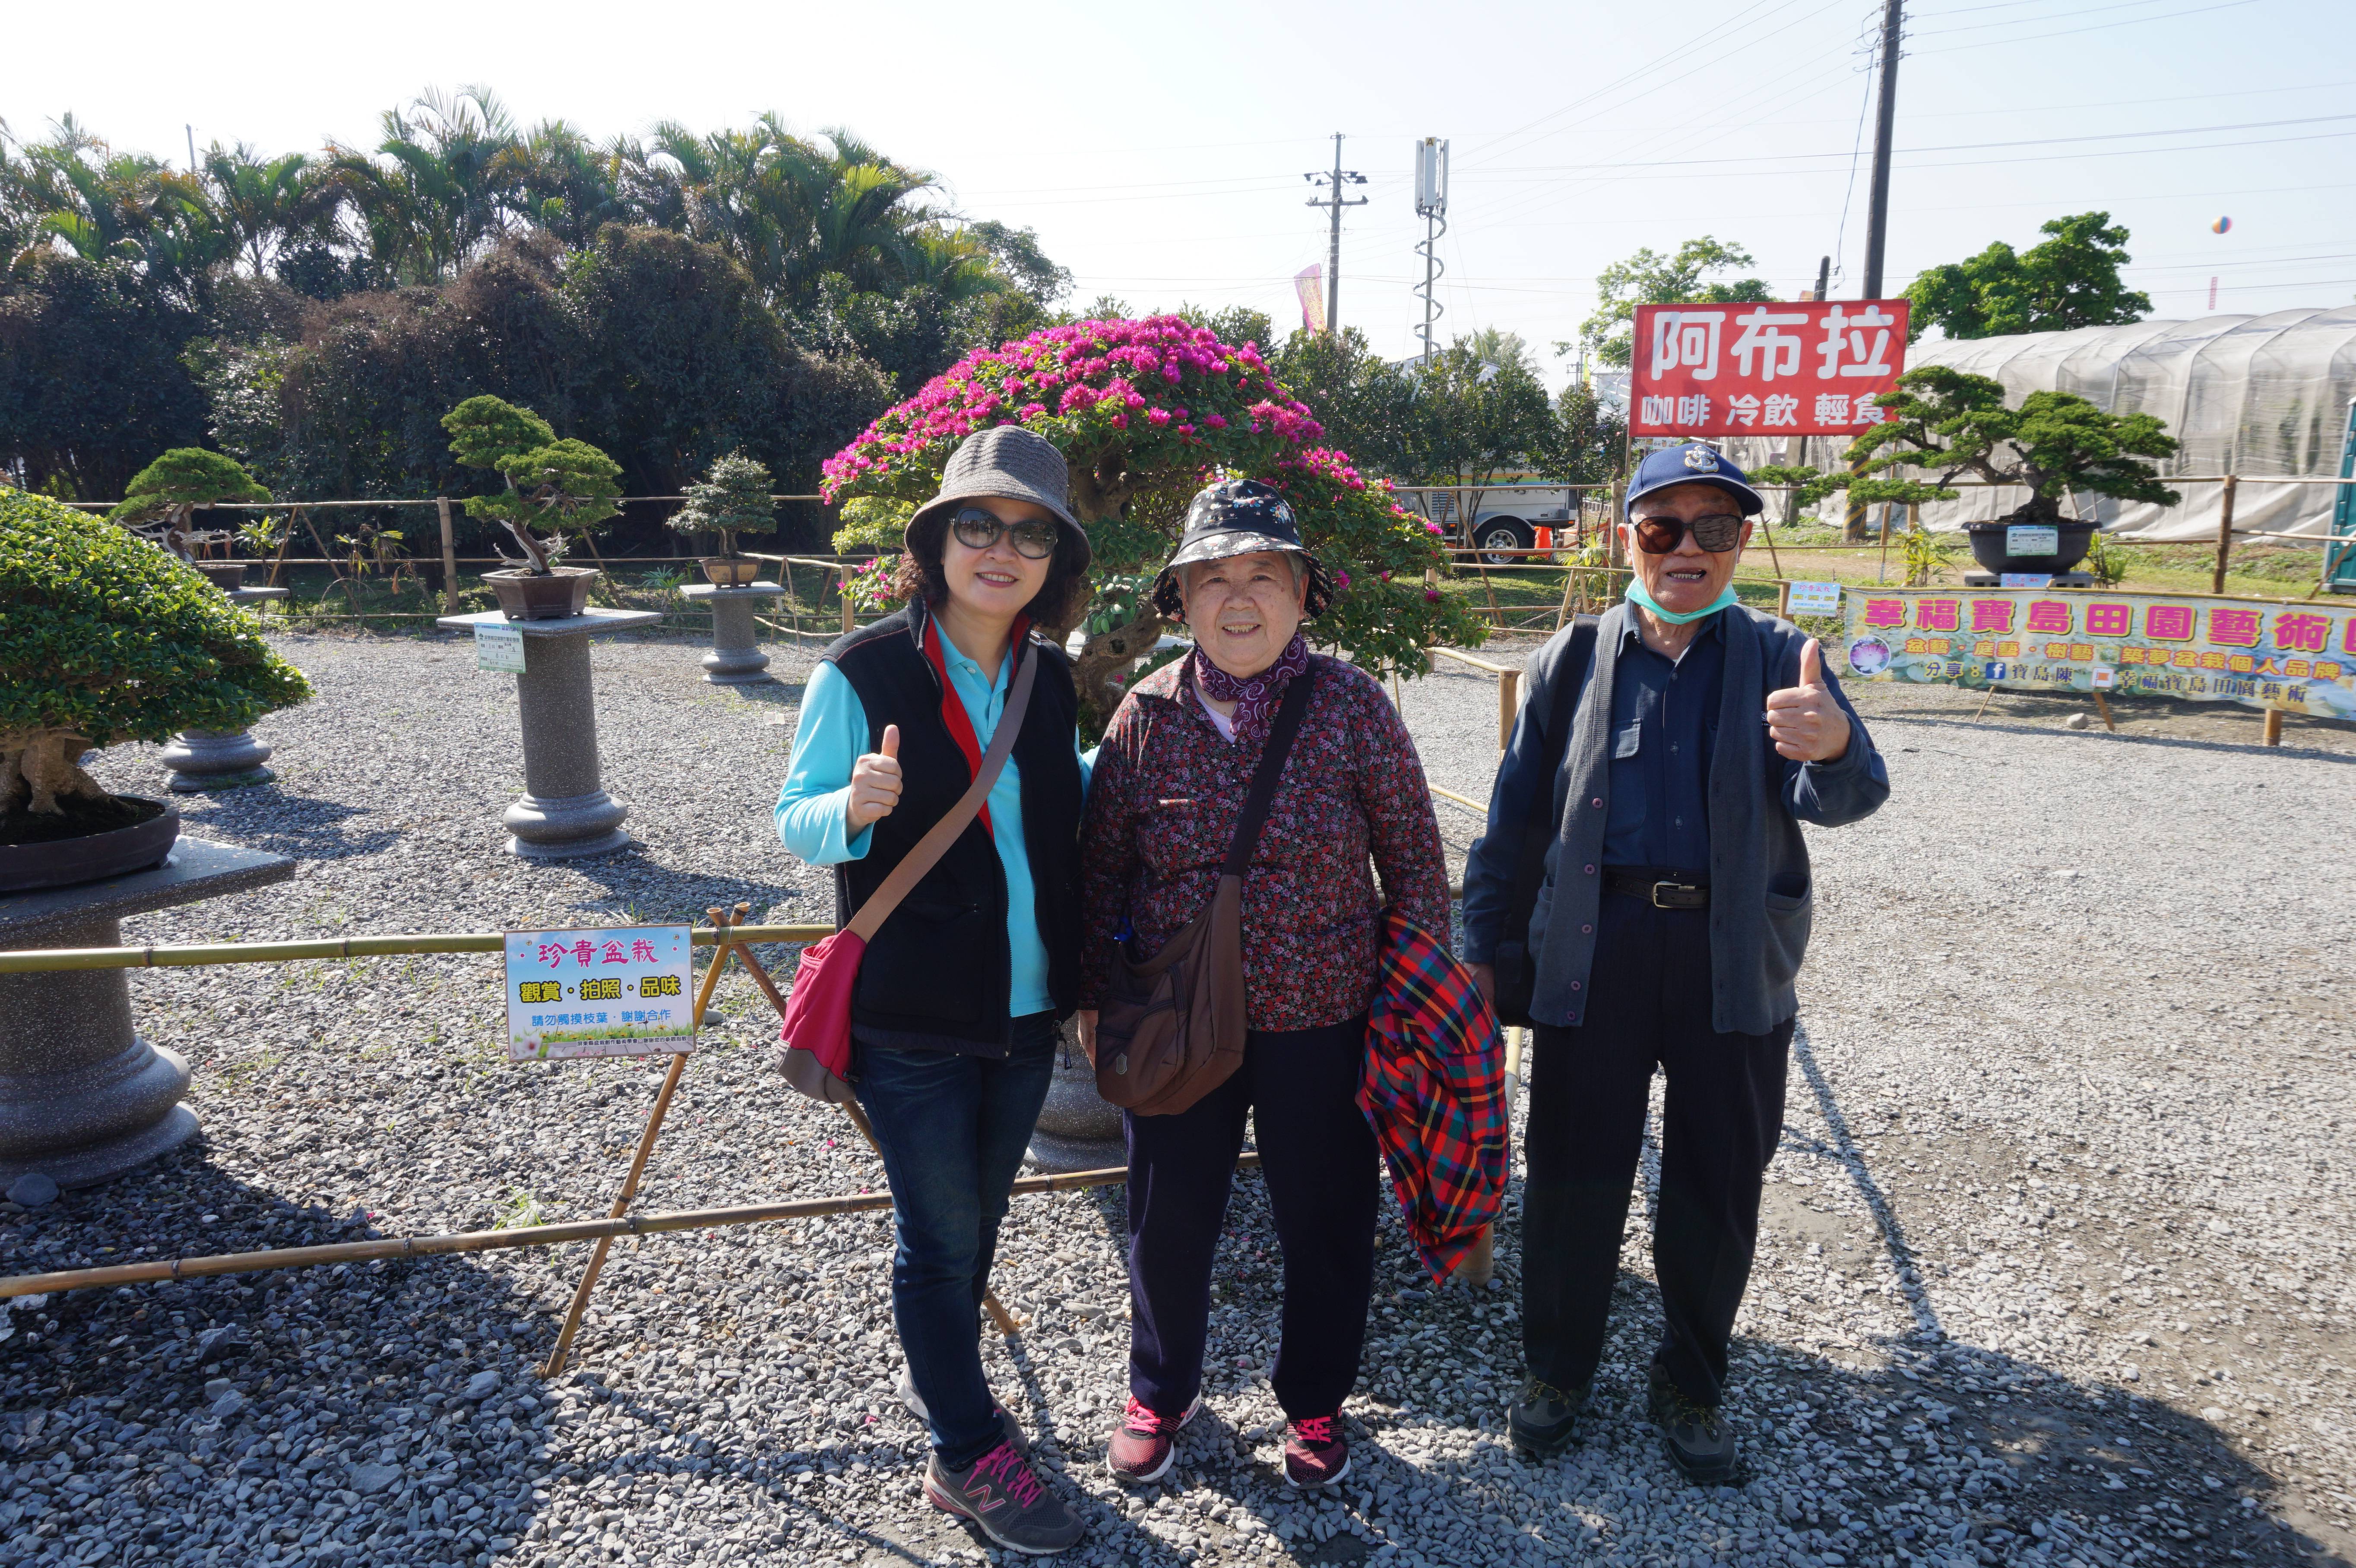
(623, 991)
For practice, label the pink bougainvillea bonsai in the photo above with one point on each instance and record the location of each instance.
(1147, 412)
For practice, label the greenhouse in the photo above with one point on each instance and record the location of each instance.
(2256, 396)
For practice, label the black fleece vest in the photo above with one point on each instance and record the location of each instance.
(939, 965)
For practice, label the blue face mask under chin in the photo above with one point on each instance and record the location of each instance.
(1638, 594)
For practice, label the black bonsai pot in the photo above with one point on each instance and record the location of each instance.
(524, 596)
(92, 841)
(1988, 547)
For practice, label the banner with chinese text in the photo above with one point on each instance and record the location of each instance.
(2298, 657)
(627, 991)
(1806, 369)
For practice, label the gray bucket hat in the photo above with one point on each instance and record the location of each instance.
(1009, 462)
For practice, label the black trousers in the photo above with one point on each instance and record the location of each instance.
(1323, 1173)
(1722, 1116)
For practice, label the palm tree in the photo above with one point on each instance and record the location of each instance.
(261, 204)
(567, 184)
(74, 191)
(442, 187)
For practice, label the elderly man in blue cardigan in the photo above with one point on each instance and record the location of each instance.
(1697, 735)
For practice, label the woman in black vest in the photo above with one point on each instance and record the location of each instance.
(962, 991)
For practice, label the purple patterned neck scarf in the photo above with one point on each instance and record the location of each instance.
(1255, 696)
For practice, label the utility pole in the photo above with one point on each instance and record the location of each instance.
(1885, 120)
(1824, 277)
(1432, 206)
(1339, 177)
(192, 130)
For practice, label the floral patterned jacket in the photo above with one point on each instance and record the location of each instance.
(1163, 805)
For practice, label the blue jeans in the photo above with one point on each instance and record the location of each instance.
(952, 1128)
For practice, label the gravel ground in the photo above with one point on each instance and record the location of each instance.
(2055, 1266)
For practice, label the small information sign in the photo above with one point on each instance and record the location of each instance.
(1816, 599)
(2032, 538)
(2026, 579)
(500, 648)
(628, 991)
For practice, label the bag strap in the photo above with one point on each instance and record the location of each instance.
(1288, 711)
(912, 866)
(1538, 828)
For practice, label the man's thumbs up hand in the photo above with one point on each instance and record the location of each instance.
(874, 783)
(1804, 721)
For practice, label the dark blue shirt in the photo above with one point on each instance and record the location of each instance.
(1664, 727)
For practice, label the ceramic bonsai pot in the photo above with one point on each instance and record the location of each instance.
(228, 576)
(729, 571)
(523, 596)
(1988, 547)
(92, 857)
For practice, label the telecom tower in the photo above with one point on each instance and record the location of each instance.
(1432, 206)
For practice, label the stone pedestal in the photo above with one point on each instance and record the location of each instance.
(82, 1098)
(203, 760)
(735, 658)
(1077, 1129)
(564, 810)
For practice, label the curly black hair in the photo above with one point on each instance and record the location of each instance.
(1055, 607)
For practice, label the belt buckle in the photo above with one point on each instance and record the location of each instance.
(1673, 887)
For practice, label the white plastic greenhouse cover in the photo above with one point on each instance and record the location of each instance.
(2249, 395)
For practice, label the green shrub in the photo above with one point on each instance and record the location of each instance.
(562, 486)
(733, 498)
(108, 639)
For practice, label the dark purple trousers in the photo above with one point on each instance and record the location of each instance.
(1322, 1169)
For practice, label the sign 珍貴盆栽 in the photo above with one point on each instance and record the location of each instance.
(1813, 598)
(1807, 368)
(626, 992)
(2298, 657)
(498, 649)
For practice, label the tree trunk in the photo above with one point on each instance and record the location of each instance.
(36, 766)
(1104, 656)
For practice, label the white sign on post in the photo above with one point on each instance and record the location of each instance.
(498, 649)
(624, 992)
(1816, 599)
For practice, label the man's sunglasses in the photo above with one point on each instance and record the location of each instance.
(978, 529)
(1717, 534)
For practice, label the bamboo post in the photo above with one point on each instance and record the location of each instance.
(1783, 600)
(1767, 533)
(2224, 533)
(849, 615)
(2273, 726)
(2102, 706)
(285, 538)
(720, 921)
(1509, 707)
(350, 589)
(1570, 586)
(449, 558)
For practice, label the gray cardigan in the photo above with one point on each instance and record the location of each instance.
(1761, 896)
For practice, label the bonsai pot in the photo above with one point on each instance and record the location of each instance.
(228, 576)
(729, 571)
(1988, 547)
(524, 597)
(92, 857)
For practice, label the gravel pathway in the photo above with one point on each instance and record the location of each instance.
(2056, 1266)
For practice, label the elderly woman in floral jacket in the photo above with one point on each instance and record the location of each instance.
(1168, 784)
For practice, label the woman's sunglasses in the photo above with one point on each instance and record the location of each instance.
(1717, 534)
(978, 529)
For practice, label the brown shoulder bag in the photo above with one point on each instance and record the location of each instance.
(1172, 1028)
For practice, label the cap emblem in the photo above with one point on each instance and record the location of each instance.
(1701, 459)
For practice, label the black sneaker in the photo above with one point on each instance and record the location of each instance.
(1697, 1436)
(1540, 1422)
(1002, 1494)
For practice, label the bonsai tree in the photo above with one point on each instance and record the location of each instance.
(106, 641)
(2054, 443)
(163, 496)
(733, 498)
(557, 487)
(1146, 413)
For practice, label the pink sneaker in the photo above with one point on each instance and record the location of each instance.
(1317, 1454)
(1002, 1494)
(1144, 1443)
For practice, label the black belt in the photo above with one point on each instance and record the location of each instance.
(1662, 889)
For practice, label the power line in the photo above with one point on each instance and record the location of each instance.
(2050, 16)
(2099, 27)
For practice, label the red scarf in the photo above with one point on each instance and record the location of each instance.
(953, 713)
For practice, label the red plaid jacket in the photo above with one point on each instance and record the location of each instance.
(1434, 1090)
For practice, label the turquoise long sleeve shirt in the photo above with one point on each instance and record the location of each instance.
(813, 807)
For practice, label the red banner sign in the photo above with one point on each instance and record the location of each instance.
(1804, 369)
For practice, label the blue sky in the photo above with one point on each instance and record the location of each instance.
(1159, 149)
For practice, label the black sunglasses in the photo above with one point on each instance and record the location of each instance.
(978, 529)
(1717, 533)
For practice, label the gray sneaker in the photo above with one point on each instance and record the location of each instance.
(1697, 1436)
(1006, 1422)
(1004, 1496)
(1542, 1422)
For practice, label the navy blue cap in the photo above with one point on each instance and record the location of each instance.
(1693, 463)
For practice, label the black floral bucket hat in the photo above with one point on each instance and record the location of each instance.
(1239, 516)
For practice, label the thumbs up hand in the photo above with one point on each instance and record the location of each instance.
(874, 783)
(1804, 721)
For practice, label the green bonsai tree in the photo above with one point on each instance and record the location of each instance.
(106, 640)
(162, 498)
(733, 498)
(2069, 280)
(1943, 418)
(558, 487)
